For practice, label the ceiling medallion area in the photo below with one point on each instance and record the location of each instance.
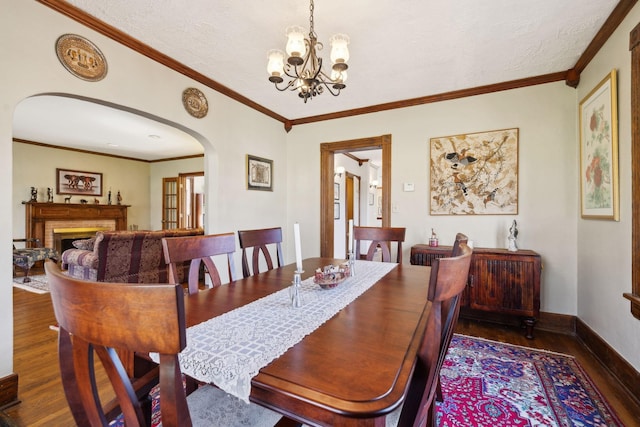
(195, 102)
(81, 58)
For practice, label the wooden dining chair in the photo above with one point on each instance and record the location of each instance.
(380, 237)
(446, 283)
(452, 308)
(198, 250)
(460, 238)
(258, 241)
(95, 318)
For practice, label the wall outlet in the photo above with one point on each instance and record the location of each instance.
(408, 186)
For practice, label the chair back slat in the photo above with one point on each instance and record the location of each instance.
(258, 241)
(447, 281)
(380, 237)
(100, 317)
(198, 250)
(460, 238)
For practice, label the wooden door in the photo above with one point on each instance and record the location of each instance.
(170, 203)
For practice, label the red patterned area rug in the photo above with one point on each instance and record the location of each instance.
(487, 383)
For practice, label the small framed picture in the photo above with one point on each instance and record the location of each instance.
(78, 183)
(336, 191)
(336, 210)
(259, 173)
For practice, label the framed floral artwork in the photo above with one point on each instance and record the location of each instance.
(599, 192)
(475, 173)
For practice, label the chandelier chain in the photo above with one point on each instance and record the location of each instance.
(312, 32)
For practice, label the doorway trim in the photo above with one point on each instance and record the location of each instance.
(327, 166)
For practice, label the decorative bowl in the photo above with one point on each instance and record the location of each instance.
(331, 276)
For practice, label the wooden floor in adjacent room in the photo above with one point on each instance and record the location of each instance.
(43, 402)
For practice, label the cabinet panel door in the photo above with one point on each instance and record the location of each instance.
(505, 284)
(426, 255)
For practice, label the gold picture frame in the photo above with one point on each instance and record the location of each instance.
(599, 187)
(259, 173)
(475, 173)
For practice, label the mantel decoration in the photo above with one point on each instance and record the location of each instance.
(599, 151)
(81, 57)
(195, 102)
(78, 183)
(259, 173)
(475, 174)
(304, 67)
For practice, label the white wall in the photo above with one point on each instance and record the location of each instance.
(35, 166)
(548, 192)
(28, 31)
(340, 225)
(604, 256)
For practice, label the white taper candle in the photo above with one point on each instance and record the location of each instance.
(350, 235)
(296, 237)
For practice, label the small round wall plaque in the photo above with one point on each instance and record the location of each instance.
(195, 102)
(81, 57)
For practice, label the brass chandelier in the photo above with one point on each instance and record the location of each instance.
(304, 68)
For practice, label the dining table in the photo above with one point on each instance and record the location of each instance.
(354, 367)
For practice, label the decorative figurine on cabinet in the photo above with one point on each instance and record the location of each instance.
(49, 195)
(513, 235)
(109, 198)
(34, 194)
(119, 198)
(433, 240)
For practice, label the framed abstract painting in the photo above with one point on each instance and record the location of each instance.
(475, 173)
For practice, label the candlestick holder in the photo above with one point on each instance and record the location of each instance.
(352, 263)
(294, 290)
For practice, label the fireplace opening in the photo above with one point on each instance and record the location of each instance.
(63, 238)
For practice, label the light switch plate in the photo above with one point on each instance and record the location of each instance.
(408, 186)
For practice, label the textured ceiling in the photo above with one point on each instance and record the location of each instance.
(400, 49)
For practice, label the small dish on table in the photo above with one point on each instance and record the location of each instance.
(331, 276)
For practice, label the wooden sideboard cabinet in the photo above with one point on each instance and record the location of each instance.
(500, 282)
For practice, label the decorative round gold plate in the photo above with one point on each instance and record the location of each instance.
(195, 102)
(81, 57)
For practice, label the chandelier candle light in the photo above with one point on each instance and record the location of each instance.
(304, 67)
(351, 255)
(294, 291)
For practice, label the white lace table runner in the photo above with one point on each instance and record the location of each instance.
(230, 349)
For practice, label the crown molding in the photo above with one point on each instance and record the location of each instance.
(571, 76)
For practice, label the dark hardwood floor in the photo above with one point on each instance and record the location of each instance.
(43, 402)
